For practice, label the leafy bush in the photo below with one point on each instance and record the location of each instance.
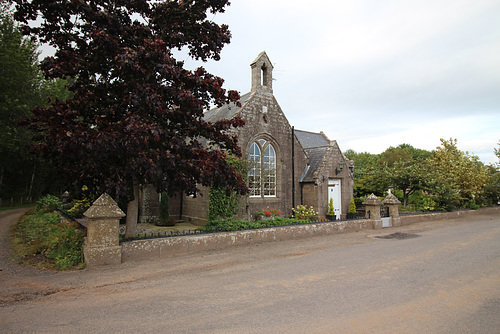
(43, 235)
(229, 224)
(422, 202)
(80, 206)
(331, 208)
(473, 205)
(304, 212)
(48, 203)
(352, 206)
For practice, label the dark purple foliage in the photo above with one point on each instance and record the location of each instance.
(136, 113)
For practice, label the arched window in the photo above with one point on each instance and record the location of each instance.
(262, 173)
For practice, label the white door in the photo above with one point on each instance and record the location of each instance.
(334, 191)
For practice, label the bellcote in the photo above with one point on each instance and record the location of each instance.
(262, 73)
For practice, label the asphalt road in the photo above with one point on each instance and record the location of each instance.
(443, 278)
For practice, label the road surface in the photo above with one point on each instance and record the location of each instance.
(444, 277)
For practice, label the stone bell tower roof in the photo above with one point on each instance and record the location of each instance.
(262, 73)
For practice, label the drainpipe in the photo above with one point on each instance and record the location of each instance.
(293, 167)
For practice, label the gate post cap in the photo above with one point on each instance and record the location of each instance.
(372, 200)
(391, 199)
(104, 207)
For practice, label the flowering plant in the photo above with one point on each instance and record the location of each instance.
(269, 212)
(304, 212)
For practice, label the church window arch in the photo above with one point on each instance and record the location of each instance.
(262, 173)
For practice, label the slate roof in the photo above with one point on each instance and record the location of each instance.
(316, 146)
(311, 139)
(316, 156)
(227, 111)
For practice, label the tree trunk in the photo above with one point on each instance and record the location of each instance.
(31, 183)
(405, 197)
(132, 214)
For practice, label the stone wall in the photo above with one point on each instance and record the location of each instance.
(164, 247)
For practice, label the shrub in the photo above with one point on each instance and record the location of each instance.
(331, 208)
(48, 203)
(304, 212)
(221, 204)
(422, 202)
(42, 234)
(229, 224)
(80, 206)
(352, 206)
(473, 205)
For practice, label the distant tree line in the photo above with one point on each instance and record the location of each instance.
(443, 179)
(23, 176)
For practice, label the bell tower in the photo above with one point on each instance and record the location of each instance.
(262, 73)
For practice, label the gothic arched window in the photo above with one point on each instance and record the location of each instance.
(262, 173)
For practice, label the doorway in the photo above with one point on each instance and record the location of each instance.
(335, 192)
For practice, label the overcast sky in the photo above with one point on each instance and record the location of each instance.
(375, 74)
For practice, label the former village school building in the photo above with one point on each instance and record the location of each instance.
(288, 167)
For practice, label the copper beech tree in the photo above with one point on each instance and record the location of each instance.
(136, 114)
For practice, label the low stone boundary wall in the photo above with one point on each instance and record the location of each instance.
(163, 247)
(411, 219)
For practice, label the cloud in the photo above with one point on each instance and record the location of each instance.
(374, 74)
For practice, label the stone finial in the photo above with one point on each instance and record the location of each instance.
(391, 199)
(372, 200)
(104, 207)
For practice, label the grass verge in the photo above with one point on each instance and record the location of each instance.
(41, 240)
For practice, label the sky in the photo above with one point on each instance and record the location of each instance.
(374, 74)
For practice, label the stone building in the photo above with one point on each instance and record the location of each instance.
(287, 167)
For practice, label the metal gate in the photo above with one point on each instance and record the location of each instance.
(386, 219)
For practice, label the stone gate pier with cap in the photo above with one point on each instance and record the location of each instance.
(102, 245)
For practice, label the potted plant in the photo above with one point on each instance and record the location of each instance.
(331, 211)
(351, 214)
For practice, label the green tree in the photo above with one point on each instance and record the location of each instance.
(491, 195)
(406, 169)
(22, 87)
(401, 167)
(365, 167)
(458, 176)
(497, 152)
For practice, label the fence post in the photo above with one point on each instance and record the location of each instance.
(392, 202)
(102, 243)
(373, 204)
